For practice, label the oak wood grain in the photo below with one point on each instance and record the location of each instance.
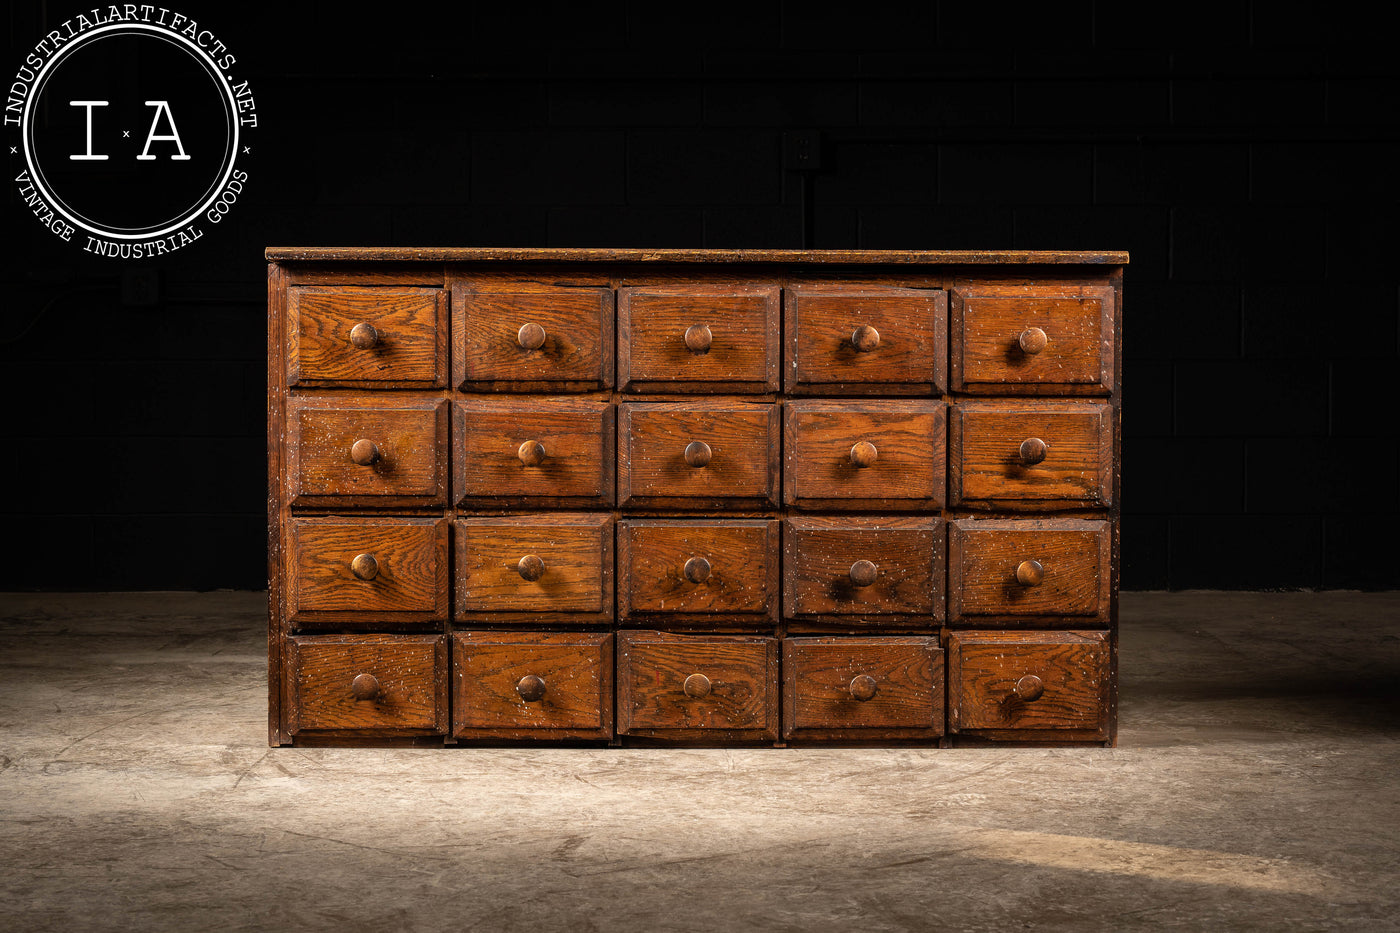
(576, 456)
(742, 470)
(740, 571)
(819, 553)
(741, 704)
(986, 667)
(409, 560)
(409, 329)
(575, 353)
(985, 463)
(409, 435)
(825, 441)
(1071, 555)
(573, 670)
(409, 673)
(740, 352)
(576, 550)
(904, 672)
(903, 332)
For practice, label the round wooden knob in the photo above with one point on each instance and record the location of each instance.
(1032, 340)
(364, 687)
(697, 685)
(364, 452)
(864, 454)
(697, 338)
(531, 336)
(531, 688)
(364, 566)
(531, 453)
(531, 567)
(864, 687)
(1029, 573)
(863, 573)
(1033, 450)
(697, 453)
(697, 570)
(865, 338)
(363, 336)
(1029, 688)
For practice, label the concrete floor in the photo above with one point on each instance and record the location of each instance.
(1255, 787)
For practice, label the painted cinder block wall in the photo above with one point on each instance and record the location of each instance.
(1244, 153)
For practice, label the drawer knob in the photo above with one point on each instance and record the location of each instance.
(864, 454)
(864, 687)
(697, 338)
(697, 570)
(1032, 340)
(363, 336)
(697, 453)
(531, 688)
(531, 336)
(863, 573)
(697, 685)
(531, 567)
(1033, 451)
(364, 566)
(365, 452)
(365, 687)
(1029, 688)
(531, 453)
(865, 338)
(1029, 573)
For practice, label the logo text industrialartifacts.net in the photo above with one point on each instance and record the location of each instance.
(131, 121)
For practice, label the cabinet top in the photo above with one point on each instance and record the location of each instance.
(806, 256)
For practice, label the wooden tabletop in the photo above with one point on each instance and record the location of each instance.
(562, 254)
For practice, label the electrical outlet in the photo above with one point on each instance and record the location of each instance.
(802, 150)
(140, 288)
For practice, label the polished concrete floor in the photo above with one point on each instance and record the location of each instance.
(1256, 786)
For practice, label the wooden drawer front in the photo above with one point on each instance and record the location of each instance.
(354, 571)
(862, 688)
(532, 339)
(533, 451)
(864, 455)
(380, 451)
(569, 557)
(532, 685)
(367, 684)
(377, 337)
(1028, 570)
(706, 571)
(863, 571)
(697, 688)
(875, 341)
(995, 444)
(718, 338)
(1018, 684)
(1035, 339)
(697, 454)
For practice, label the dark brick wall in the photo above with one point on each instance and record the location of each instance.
(1245, 153)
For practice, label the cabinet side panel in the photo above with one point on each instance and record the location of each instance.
(276, 436)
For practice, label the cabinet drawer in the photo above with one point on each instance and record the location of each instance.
(1048, 339)
(532, 685)
(532, 451)
(1029, 685)
(702, 688)
(713, 572)
(1031, 454)
(715, 338)
(351, 572)
(879, 341)
(535, 568)
(1029, 569)
(380, 451)
(864, 455)
(522, 338)
(862, 689)
(375, 337)
(369, 685)
(863, 571)
(697, 455)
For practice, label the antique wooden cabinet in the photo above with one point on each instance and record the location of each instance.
(699, 497)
